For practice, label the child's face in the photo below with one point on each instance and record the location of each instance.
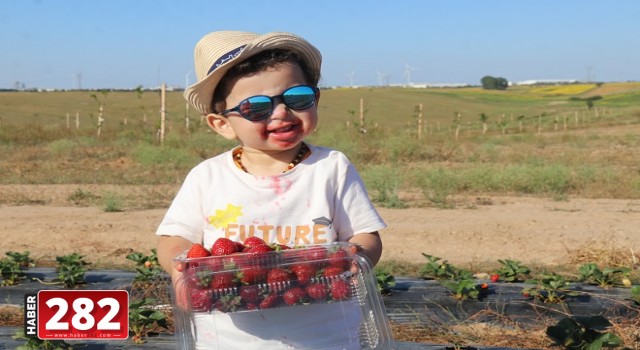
(284, 128)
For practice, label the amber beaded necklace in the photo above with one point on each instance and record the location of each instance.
(302, 155)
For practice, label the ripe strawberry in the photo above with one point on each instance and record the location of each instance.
(304, 273)
(250, 294)
(317, 291)
(253, 241)
(224, 246)
(295, 295)
(252, 274)
(201, 299)
(495, 277)
(332, 271)
(270, 301)
(318, 254)
(278, 279)
(258, 249)
(197, 250)
(251, 306)
(339, 258)
(223, 280)
(340, 290)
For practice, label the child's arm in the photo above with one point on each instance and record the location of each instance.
(168, 248)
(369, 244)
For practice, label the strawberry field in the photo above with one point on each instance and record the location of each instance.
(442, 300)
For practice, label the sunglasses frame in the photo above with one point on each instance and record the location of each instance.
(273, 100)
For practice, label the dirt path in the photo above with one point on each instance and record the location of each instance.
(531, 230)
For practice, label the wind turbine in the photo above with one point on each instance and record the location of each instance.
(407, 72)
(380, 78)
(351, 75)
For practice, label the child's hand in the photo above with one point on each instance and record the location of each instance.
(179, 289)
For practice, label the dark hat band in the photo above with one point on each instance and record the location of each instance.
(226, 57)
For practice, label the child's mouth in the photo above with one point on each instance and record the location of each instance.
(284, 133)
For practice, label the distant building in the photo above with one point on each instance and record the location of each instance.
(546, 82)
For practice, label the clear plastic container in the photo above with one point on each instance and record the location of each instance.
(315, 297)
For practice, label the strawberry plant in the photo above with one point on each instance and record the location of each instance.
(550, 288)
(385, 282)
(512, 271)
(23, 259)
(606, 278)
(463, 289)
(71, 269)
(143, 318)
(147, 266)
(583, 333)
(33, 343)
(11, 267)
(437, 269)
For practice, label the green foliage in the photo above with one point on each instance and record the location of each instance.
(438, 185)
(588, 100)
(464, 288)
(62, 147)
(605, 278)
(583, 333)
(550, 288)
(385, 281)
(112, 203)
(38, 344)
(494, 83)
(147, 266)
(512, 271)
(383, 182)
(635, 294)
(147, 154)
(143, 318)
(11, 267)
(71, 269)
(439, 269)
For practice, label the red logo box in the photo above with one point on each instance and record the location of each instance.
(83, 314)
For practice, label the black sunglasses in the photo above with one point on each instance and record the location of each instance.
(259, 107)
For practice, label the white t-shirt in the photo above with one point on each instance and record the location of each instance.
(321, 200)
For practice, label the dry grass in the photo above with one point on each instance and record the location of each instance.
(603, 253)
(11, 316)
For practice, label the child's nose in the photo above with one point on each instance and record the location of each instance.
(280, 111)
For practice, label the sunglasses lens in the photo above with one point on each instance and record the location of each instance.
(256, 108)
(299, 97)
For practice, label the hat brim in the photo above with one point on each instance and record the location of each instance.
(200, 94)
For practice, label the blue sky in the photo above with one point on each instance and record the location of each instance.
(126, 43)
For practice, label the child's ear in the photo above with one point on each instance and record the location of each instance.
(221, 125)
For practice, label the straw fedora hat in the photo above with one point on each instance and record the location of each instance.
(217, 52)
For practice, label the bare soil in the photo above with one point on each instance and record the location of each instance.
(534, 231)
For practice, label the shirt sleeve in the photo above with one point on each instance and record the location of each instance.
(184, 218)
(355, 212)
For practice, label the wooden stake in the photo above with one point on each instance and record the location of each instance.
(362, 114)
(100, 120)
(186, 117)
(419, 121)
(68, 121)
(163, 90)
(77, 120)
